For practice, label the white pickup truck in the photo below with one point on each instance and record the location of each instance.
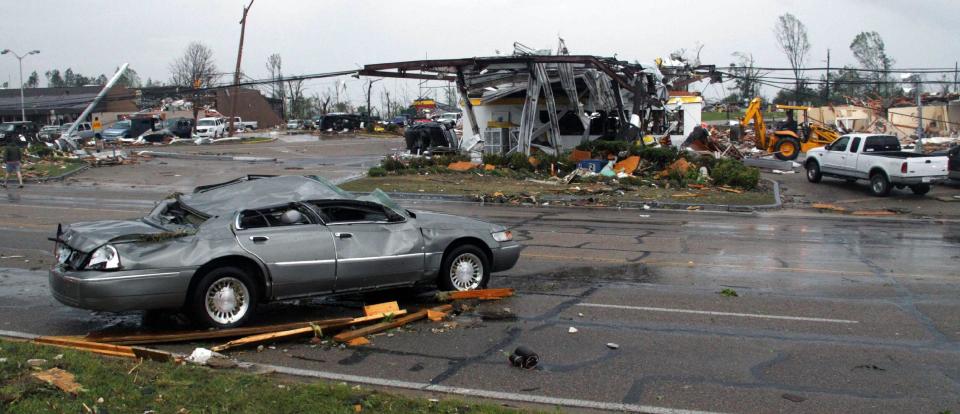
(877, 158)
(241, 125)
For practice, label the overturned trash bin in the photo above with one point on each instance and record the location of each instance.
(524, 357)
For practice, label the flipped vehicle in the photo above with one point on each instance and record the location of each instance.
(173, 128)
(49, 132)
(339, 122)
(13, 130)
(876, 158)
(421, 137)
(225, 248)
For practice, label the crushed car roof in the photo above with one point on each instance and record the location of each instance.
(258, 192)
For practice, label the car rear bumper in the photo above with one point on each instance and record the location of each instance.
(932, 179)
(120, 291)
(506, 256)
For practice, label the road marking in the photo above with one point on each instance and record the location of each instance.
(471, 392)
(729, 266)
(714, 313)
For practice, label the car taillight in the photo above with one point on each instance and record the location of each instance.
(903, 167)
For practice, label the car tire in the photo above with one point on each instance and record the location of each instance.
(787, 149)
(465, 267)
(920, 189)
(879, 184)
(813, 172)
(225, 297)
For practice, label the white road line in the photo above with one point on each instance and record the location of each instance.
(713, 313)
(471, 392)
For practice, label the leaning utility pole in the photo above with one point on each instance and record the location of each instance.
(370, 89)
(236, 74)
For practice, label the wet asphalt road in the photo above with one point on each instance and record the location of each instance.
(839, 314)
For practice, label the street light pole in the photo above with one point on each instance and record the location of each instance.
(23, 110)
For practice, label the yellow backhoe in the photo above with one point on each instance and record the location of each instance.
(786, 144)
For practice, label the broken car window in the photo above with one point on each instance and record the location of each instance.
(291, 215)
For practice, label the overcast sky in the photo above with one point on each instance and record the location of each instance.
(94, 37)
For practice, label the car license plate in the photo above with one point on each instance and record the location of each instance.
(926, 179)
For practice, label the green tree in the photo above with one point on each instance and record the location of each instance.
(33, 80)
(54, 79)
(129, 79)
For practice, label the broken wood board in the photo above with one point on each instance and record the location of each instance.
(730, 190)
(166, 337)
(358, 341)
(825, 206)
(377, 316)
(95, 347)
(476, 294)
(61, 379)
(152, 354)
(383, 326)
(436, 316)
(380, 308)
(687, 195)
(873, 213)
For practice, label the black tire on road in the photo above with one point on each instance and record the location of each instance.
(813, 172)
(879, 184)
(920, 189)
(455, 265)
(785, 143)
(236, 284)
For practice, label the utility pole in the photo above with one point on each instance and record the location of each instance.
(236, 74)
(828, 76)
(919, 92)
(369, 89)
(956, 87)
(23, 111)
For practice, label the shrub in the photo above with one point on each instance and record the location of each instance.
(377, 172)
(40, 150)
(733, 173)
(518, 161)
(660, 157)
(418, 163)
(494, 159)
(599, 147)
(392, 164)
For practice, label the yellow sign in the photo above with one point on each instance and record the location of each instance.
(97, 126)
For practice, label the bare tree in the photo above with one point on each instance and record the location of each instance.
(323, 101)
(299, 107)
(195, 66)
(869, 50)
(746, 76)
(275, 67)
(792, 39)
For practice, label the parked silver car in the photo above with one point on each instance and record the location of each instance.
(223, 249)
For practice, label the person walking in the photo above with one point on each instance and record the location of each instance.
(12, 157)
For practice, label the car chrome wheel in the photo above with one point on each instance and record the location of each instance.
(227, 300)
(466, 272)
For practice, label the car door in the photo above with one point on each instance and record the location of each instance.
(300, 255)
(376, 246)
(835, 156)
(850, 160)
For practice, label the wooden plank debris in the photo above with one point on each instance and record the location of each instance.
(95, 347)
(383, 326)
(826, 206)
(358, 341)
(381, 308)
(156, 338)
(498, 293)
(436, 316)
(59, 378)
(730, 190)
(377, 316)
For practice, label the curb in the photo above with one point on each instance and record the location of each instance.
(60, 177)
(202, 157)
(778, 203)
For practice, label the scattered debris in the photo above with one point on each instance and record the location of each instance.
(524, 357)
(170, 337)
(793, 397)
(436, 316)
(36, 362)
(359, 341)
(572, 330)
(825, 206)
(483, 294)
(383, 326)
(61, 379)
(612, 345)
(868, 367)
(730, 293)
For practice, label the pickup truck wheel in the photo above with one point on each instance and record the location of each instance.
(787, 149)
(464, 268)
(224, 298)
(879, 184)
(813, 172)
(920, 189)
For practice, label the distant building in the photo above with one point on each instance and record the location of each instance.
(46, 106)
(251, 104)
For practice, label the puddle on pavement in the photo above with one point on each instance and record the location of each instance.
(579, 277)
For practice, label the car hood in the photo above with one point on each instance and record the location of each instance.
(89, 235)
(445, 221)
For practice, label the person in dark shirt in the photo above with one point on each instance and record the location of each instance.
(790, 124)
(12, 157)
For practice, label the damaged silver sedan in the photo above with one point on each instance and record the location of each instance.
(225, 248)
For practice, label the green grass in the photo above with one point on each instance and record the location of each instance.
(721, 116)
(127, 386)
(256, 140)
(471, 184)
(44, 169)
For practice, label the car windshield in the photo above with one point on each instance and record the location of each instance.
(121, 125)
(206, 122)
(380, 197)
